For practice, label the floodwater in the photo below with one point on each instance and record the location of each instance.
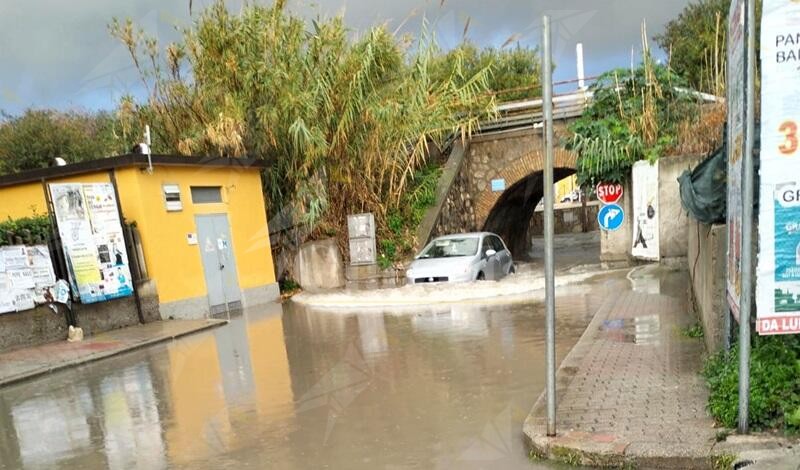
(291, 388)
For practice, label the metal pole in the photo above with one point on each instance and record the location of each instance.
(746, 298)
(112, 178)
(549, 222)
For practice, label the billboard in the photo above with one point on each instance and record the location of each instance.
(778, 286)
(94, 246)
(735, 144)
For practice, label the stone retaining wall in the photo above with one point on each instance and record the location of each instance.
(707, 255)
(41, 325)
(458, 212)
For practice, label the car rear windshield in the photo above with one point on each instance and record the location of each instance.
(451, 247)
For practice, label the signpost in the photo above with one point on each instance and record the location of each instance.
(609, 193)
(549, 228)
(610, 217)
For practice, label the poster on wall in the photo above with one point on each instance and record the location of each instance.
(736, 98)
(26, 277)
(94, 245)
(778, 282)
(645, 211)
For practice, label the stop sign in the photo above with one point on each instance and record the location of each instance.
(609, 193)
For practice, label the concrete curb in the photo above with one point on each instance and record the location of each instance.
(93, 357)
(597, 449)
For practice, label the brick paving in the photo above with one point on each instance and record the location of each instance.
(630, 391)
(27, 363)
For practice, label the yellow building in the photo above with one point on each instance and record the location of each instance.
(202, 222)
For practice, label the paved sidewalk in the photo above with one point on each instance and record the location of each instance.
(27, 363)
(630, 393)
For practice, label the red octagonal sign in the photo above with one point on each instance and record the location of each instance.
(609, 193)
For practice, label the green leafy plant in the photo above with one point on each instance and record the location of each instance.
(723, 461)
(36, 137)
(397, 240)
(634, 115)
(288, 286)
(694, 331)
(774, 384)
(29, 230)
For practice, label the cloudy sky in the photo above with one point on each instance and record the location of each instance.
(56, 53)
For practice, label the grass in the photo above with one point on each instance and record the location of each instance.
(723, 461)
(694, 331)
(774, 385)
(289, 287)
(567, 456)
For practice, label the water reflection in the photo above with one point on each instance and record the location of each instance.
(288, 387)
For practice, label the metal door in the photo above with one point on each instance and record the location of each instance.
(492, 270)
(219, 262)
(503, 254)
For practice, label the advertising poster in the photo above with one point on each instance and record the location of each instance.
(94, 245)
(645, 211)
(26, 276)
(735, 144)
(778, 286)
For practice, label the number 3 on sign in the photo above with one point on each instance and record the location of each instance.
(789, 131)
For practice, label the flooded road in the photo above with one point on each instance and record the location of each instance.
(286, 387)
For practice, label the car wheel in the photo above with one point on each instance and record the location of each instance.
(481, 277)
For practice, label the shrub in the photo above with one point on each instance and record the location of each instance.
(35, 229)
(774, 384)
(397, 240)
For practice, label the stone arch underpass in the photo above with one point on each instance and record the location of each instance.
(509, 213)
(517, 159)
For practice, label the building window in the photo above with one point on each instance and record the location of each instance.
(206, 194)
(172, 197)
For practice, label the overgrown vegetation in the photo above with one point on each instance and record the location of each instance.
(397, 241)
(634, 116)
(36, 137)
(26, 230)
(694, 331)
(515, 71)
(642, 113)
(346, 122)
(774, 384)
(696, 43)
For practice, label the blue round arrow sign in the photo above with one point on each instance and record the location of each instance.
(610, 217)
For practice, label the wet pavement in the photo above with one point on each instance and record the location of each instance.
(572, 249)
(290, 388)
(25, 363)
(630, 392)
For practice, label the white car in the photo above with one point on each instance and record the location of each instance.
(461, 258)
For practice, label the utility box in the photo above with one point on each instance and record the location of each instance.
(361, 232)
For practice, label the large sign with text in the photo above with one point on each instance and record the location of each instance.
(94, 246)
(778, 286)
